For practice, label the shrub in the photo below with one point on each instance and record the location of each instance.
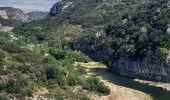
(59, 54)
(2, 56)
(94, 84)
(12, 48)
(54, 73)
(73, 81)
(77, 56)
(50, 59)
(4, 36)
(28, 57)
(19, 84)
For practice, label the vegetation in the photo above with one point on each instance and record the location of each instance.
(9, 22)
(130, 28)
(136, 34)
(4, 36)
(94, 84)
(27, 71)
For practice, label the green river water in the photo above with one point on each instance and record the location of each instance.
(155, 92)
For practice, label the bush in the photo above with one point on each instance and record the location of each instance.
(20, 85)
(4, 36)
(73, 81)
(28, 57)
(12, 48)
(50, 59)
(77, 56)
(103, 89)
(94, 84)
(2, 56)
(59, 54)
(54, 73)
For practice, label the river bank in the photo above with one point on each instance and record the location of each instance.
(117, 92)
(163, 85)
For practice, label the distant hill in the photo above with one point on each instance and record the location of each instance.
(37, 15)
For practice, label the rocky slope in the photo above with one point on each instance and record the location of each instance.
(36, 15)
(13, 13)
(132, 47)
(12, 16)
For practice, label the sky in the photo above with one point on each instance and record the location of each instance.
(29, 5)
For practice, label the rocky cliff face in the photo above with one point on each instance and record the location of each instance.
(145, 68)
(37, 15)
(65, 5)
(142, 69)
(60, 7)
(10, 13)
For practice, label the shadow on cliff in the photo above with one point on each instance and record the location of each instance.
(155, 92)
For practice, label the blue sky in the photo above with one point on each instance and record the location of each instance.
(29, 5)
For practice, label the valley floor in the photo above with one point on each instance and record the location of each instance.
(117, 92)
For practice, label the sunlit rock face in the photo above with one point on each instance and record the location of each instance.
(3, 14)
(60, 7)
(13, 14)
(63, 5)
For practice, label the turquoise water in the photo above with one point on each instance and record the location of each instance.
(155, 92)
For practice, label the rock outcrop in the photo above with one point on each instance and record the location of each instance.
(36, 15)
(60, 7)
(145, 68)
(64, 5)
(132, 46)
(10, 13)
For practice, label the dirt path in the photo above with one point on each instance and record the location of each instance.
(117, 92)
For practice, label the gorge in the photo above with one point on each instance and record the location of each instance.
(39, 50)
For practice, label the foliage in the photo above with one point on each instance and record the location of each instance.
(27, 71)
(12, 48)
(9, 22)
(2, 56)
(93, 84)
(4, 36)
(28, 32)
(57, 53)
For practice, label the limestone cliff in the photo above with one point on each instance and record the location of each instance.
(13, 14)
(145, 68)
(60, 7)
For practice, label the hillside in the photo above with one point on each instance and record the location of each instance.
(130, 36)
(36, 15)
(43, 71)
(137, 45)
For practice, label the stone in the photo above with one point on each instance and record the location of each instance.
(13, 14)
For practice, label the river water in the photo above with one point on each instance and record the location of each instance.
(155, 92)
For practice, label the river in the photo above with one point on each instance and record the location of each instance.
(155, 92)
